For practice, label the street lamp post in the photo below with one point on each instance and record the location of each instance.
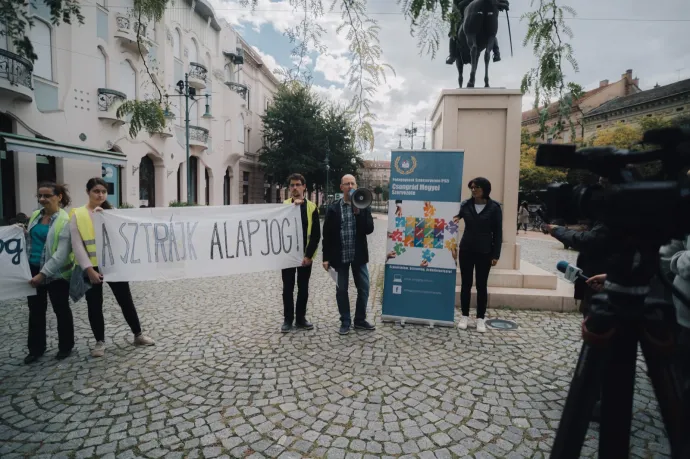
(189, 92)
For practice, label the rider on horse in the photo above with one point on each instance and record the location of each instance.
(457, 16)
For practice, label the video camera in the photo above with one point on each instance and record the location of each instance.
(656, 210)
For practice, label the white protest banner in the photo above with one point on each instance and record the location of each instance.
(14, 264)
(168, 243)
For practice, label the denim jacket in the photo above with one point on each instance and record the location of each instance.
(50, 265)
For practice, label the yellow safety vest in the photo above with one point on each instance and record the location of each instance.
(310, 211)
(87, 233)
(60, 222)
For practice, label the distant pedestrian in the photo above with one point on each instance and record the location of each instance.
(480, 247)
(345, 247)
(523, 217)
(311, 230)
(49, 249)
(84, 246)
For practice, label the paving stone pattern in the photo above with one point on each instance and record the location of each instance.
(222, 381)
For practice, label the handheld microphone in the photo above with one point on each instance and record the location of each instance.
(572, 273)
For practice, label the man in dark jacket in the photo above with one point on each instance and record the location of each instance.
(345, 231)
(592, 257)
(311, 232)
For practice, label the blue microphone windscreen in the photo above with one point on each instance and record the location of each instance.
(562, 266)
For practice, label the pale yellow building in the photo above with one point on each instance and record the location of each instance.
(375, 173)
(667, 101)
(592, 99)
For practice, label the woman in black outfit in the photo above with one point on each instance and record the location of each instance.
(480, 247)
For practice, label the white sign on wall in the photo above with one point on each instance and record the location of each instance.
(169, 243)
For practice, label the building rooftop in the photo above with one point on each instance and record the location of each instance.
(658, 92)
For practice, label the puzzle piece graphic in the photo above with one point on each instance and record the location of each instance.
(452, 227)
(397, 235)
(429, 209)
(419, 233)
(428, 232)
(409, 240)
(429, 242)
(400, 222)
(438, 233)
(410, 222)
(409, 231)
(430, 222)
(419, 242)
(438, 243)
(399, 249)
(440, 224)
(420, 223)
(451, 244)
(428, 255)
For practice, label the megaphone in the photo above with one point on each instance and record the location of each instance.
(361, 198)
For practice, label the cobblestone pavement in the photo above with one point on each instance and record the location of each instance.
(222, 381)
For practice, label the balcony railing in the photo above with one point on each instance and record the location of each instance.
(239, 88)
(108, 98)
(109, 101)
(198, 134)
(127, 31)
(16, 69)
(197, 71)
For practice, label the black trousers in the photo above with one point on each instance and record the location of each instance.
(303, 275)
(58, 291)
(469, 263)
(94, 301)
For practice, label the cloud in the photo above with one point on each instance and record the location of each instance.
(334, 68)
(269, 60)
(609, 38)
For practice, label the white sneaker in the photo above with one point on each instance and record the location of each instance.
(143, 340)
(99, 350)
(462, 323)
(481, 326)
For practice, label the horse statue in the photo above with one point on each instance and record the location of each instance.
(476, 34)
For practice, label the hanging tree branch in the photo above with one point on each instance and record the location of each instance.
(145, 114)
(547, 80)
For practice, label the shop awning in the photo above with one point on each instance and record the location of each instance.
(23, 144)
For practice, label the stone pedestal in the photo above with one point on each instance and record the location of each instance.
(485, 123)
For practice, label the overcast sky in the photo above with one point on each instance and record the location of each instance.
(609, 38)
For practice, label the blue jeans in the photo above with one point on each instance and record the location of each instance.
(360, 275)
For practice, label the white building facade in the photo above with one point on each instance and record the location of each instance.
(58, 122)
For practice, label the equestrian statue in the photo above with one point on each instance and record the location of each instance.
(473, 27)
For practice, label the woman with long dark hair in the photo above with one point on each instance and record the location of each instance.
(84, 246)
(480, 247)
(49, 248)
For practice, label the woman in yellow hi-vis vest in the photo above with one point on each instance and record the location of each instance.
(49, 249)
(84, 246)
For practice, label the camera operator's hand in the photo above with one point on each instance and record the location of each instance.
(548, 229)
(596, 283)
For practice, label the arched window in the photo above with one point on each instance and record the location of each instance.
(177, 40)
(3, 36)
(101, 71)
(228, 130)
(193, 52)
(240, 129)
(41, 38)
(128, 80)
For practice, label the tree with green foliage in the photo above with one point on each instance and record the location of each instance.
(378, 190)
(301, 130)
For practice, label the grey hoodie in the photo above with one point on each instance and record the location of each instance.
(675, 260)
